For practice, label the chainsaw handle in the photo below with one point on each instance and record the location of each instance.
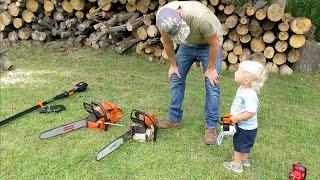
(90, 109)
(135, 118)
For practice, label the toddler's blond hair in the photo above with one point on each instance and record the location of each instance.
(258, 72)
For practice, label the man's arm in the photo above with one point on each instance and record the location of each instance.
(169, 48)
(211, 72)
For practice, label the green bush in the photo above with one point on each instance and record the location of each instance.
(306, 8)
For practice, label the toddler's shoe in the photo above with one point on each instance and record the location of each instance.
(233, 167)
(245, 162)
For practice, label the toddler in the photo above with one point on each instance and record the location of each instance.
(250, 76)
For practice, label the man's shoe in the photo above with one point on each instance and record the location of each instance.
(165, 124)
(210, 136)
(233, 167)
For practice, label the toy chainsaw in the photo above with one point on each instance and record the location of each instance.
(144, 128)
(101, 116)
(227, 128)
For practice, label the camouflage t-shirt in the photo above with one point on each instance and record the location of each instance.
(202, 22)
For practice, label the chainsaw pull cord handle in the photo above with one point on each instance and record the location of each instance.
(104, 113)
(136, 119)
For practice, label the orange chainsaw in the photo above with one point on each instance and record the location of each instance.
(101, 116)
(144, 128)
(227, 128)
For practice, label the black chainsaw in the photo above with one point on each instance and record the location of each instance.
(144, 128)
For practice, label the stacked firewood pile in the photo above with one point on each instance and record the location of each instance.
(255, 31)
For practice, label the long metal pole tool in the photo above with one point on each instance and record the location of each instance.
(80, 87)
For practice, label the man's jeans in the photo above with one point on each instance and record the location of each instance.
(185, 58)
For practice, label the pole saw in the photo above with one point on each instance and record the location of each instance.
(80, 87)
(144, 129)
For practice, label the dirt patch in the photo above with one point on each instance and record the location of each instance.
(22, 76)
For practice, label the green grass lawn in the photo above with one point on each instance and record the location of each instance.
(289, 120)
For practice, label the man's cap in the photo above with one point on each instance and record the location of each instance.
(169, 21)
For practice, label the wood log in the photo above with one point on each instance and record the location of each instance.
(283, 26)
(242, 29)
(287, 17)
(268, 37)
(224, 54)
(232, 58)
(84, 25)
(143, 6)
(237, 50)
(32, 6)
(233, 35)
(5, 63)
(281, 46)
(66, 6)
(241, 12)
(261, 13)
(13, 37)
(38, 36)
(269, 52)
(228, 45)
(300, 25)
(115, 37)
(162, 2)
(244, 20)
(275, 12)
(258, 57)
(71, 22)
(245, 38)
(13, 9)
(58, 16)
(5, 18)
(24, 33)
(233, 67)
(48, 6)
(77, 5)
(279, 58)
(297, 40)
(214, 2)
(17, 23)
(149, 49)
(246, 54)
(224, 66)
(222, 17)
(142, 33)
(5, 45)
(267, 25)
(231, 21)
(250, 10)
(152, 31)
(229, 9)
(221, 7)
(153, 5)
(255, 28)
(133, 24)
(27, 16)
(257, 44)
(131, 7)
(148, 19)
(105, 5)
(211, 8)
(157, 51)
(225, 29)
(272, 68)
(285, 70)
(122, 46)
(293, 55)
(79, 14)
(283, 36)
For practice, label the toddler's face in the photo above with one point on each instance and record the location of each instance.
(242, 77)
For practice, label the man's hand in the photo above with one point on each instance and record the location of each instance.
(212, 76)
(173, 70)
